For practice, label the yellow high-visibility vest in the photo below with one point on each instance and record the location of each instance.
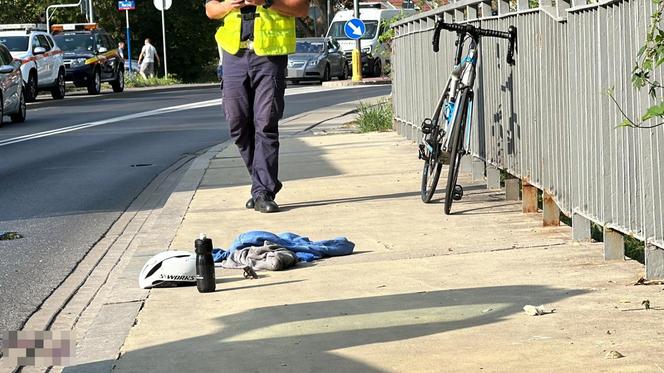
(274, 34)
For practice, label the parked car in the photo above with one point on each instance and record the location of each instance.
(42, 65)
(12, 93)
(316, 59)
(91, 56)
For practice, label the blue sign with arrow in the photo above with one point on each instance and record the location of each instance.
(355, 28)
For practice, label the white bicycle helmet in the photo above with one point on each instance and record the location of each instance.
(169, 268)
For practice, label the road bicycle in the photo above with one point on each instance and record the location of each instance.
(448, 131)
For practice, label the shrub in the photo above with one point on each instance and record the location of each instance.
(137, 81)
(376, 117)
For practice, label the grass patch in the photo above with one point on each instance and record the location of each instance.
(137, 81)
(372, 118)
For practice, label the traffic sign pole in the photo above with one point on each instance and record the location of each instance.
(163, 33)
(128, 40)
(357, 58)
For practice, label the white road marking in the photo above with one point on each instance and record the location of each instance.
(166, 110)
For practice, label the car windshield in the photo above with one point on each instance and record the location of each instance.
(78, 43)
(309, 47)
(337, 30)
(15, 43)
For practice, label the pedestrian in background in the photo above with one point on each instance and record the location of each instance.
(121, 46)
(147, 59)
(256, 37)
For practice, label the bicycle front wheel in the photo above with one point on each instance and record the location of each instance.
(456, 140)
(431, 174)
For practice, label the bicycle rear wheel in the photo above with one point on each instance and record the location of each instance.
(456, 140)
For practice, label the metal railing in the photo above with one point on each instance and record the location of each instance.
(548, 120)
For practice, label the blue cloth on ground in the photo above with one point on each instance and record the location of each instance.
(305, 249)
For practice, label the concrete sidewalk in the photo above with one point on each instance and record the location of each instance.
(423, 292)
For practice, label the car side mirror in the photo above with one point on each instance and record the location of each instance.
(39, 50)
(6, 69)
(102, 50)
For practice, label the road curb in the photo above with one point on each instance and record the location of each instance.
(101, 283)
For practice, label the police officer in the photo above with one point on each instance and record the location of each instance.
(256, 37)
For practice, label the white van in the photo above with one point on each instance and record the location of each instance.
(374, 17)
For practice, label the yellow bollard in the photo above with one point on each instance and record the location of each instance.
(357, 65)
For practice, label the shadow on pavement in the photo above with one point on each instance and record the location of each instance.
(307, 336)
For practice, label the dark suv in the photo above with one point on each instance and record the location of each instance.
(91, 56)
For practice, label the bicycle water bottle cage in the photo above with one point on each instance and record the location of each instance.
(427, 126)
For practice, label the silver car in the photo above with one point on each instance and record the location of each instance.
(317, 59)
(12, 93)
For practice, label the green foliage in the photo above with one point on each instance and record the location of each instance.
(376, 117)
(137, 81)
(649, 58)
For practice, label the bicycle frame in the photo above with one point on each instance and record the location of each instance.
(462, 77)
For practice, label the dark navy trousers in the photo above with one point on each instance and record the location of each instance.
(253, 103)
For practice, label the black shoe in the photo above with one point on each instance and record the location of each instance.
(265, 203)
(250, 203)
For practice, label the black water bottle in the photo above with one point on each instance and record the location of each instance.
(205, 281)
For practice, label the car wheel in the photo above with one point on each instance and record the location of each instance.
(94, 85)
(326, 74)
(344, 73)
(119, 84)
(58, 91)
(378, 68)
(31, 87)
(19, 117)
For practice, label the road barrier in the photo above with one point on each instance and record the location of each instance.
(548, 120)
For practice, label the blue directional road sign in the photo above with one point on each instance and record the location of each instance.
(126, 5)
(355, 28)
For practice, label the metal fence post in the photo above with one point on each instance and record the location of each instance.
(512, 189)
(614, 245)
(654, 262)
(550, 211)
(492, 177)
(478, 169)
(581, 230)
(529, 198)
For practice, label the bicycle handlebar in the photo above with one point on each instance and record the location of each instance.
(476, 32)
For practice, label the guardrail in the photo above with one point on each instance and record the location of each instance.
(547, 120)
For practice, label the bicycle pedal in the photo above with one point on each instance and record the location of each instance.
(427, 126)
(458, 193)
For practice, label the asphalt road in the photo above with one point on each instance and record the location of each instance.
(71, 170)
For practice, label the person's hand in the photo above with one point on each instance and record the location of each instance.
(254, 2)
(237, 4)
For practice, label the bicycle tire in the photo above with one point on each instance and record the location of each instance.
(433, 166)
(455, 155)
(430, 173)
